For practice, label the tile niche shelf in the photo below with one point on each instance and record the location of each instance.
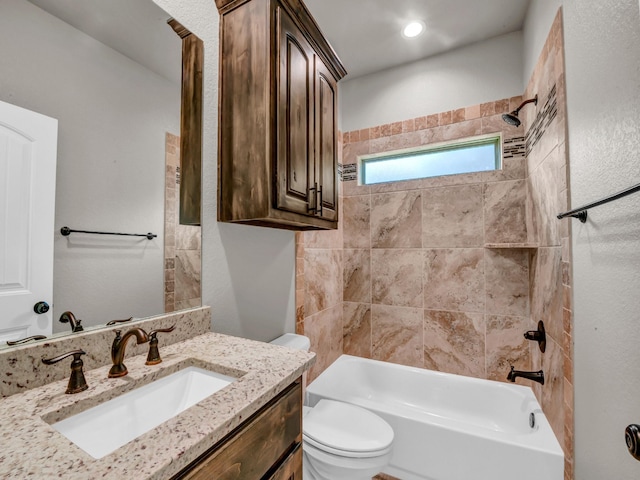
(524, 246)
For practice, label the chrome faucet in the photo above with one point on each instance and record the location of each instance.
(535, 376)
(118, 346)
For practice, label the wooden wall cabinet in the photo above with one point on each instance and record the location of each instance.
(267, 446)
(278, 117)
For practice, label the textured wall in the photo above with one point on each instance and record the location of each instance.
(603, 100)
(248, 273)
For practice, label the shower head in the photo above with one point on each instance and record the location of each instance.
(512, 118)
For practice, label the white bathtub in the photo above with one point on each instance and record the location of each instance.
(448, 427)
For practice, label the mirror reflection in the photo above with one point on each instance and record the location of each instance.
(109, 72)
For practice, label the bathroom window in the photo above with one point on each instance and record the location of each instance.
(477, 154)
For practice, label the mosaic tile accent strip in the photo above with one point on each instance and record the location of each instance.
(543, 120)
(513, 148)
(348, 172)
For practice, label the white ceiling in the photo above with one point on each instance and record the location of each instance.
(136, 28)
(366, 34)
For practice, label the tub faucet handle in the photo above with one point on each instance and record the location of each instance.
(153, 358)
(538, 336)
(77, 382)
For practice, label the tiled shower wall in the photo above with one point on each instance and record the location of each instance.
(319, 266)
(436, 271)
(547, 181)
(448, 273)
(182, 243)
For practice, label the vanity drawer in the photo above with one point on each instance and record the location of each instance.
(257, 446)
(291, 468)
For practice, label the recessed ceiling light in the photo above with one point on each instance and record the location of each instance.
(413, 29)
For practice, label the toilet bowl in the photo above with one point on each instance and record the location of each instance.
(340, 441)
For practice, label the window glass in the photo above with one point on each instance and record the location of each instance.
(478, 154)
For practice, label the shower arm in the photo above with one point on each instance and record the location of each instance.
(534, 100)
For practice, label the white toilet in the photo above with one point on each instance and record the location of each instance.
(340, 441)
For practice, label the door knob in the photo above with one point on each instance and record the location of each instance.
(632, 437)
(41, 307)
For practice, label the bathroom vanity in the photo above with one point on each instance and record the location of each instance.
(248, 429)
(270, 441)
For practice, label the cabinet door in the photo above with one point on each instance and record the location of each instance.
(326, 111)
(296, 189)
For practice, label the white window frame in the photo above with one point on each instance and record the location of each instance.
(486, 139)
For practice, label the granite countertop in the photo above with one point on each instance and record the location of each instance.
(31, 448)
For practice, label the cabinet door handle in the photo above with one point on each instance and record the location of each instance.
(319, 208)
(313, 189)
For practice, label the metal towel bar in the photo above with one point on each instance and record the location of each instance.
(66, 231)
(581, 212)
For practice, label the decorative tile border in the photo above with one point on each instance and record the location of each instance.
(436, 120)
(348, 172)
(513, 147)
(542, 121)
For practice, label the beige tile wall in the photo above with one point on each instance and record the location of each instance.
(548, 184)
(420, 288)
(182, 244)
(319, 290)
(448, 273)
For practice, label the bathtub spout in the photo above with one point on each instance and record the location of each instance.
(535, 376)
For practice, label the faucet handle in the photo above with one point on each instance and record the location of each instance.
(114, 322)
(162, 330)
(153, 358)
(538, 336)
(25, 340)
(77, 382)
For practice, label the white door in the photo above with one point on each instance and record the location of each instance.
(28, 146)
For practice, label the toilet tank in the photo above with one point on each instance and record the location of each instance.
(292, 340)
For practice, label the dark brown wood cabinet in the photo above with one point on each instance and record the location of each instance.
(268, 445)
(278, 117)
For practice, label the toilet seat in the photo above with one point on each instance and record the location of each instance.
(346, 430)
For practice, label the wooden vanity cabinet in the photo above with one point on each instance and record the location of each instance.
(278, 117)
(267, 446)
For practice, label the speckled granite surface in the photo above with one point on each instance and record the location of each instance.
(21, 367)
(31, 448)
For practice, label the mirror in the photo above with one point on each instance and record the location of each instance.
(110, 72)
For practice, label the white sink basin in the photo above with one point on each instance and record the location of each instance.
(110, 425)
